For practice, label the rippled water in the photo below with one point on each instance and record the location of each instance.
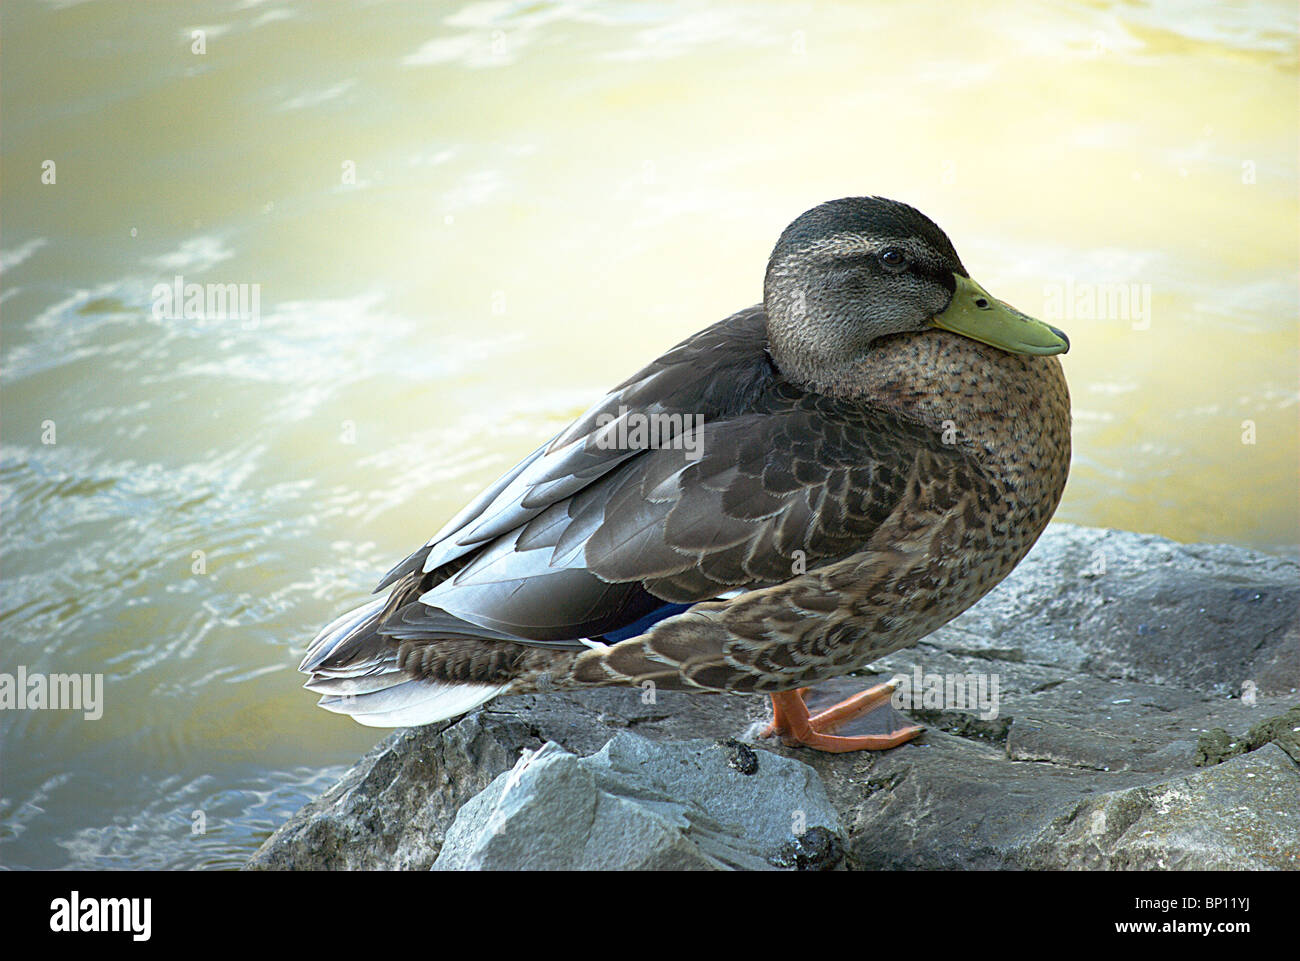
(463, 223)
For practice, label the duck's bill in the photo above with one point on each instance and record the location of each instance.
(975, 314)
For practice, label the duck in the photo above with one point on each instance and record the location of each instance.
(798, 490)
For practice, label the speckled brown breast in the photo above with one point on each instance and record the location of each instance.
(960, 533)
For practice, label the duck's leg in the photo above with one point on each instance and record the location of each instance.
(790, 719)
(780, 721)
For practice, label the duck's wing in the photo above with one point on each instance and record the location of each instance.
(587, 536)
(710, 375)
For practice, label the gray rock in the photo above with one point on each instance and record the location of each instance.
(1217, 745)
(1240, 815)
(393, 808)
(1205, 617)
(638, 804)
(1117, 657)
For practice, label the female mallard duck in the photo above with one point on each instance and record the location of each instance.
(780, 499)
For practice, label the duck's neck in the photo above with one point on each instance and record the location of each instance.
(1011, 413)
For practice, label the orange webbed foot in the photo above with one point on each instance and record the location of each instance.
(791, 720)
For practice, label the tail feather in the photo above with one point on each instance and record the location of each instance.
(355, 668)
(412, 702)
(347, 627)
(365, 684)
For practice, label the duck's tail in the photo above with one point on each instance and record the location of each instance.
(358, 672)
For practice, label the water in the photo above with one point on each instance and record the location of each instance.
(545, 195)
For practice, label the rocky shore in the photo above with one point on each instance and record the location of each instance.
(1130, 702)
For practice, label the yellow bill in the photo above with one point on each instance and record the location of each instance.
(975, 314)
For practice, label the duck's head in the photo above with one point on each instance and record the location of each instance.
(852, 271)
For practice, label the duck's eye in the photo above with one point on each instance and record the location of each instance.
(893, 258)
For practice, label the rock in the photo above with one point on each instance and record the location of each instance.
(1283, 730)
(1217, 745)
(1118, 604)
(817, 849)
(1240, 815)
(393, 808)
(1109, 660)
(639, 804)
